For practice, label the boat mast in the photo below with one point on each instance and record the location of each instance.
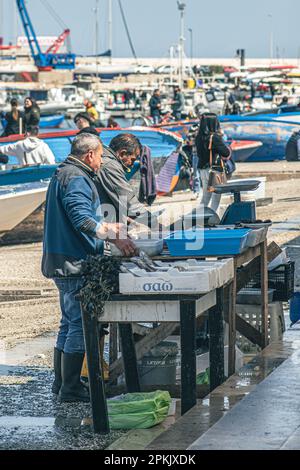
(110, 29)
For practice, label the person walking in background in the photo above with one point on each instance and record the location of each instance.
(31, 150)
(32, 113)
(83, 121)
(14, 120)
(178, 103)
(155, 106)
(91, 110)
(211, 150)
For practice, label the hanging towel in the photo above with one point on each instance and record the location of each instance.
(147, 191)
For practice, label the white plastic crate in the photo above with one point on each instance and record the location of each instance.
(201, 277)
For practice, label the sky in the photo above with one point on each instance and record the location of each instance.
(219, 27)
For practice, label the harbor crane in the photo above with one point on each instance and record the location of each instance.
(50, 59)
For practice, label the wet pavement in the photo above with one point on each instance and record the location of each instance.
(32, 418)
(266, 419)
(220, 403)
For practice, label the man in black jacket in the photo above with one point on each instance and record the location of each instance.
(155, 106)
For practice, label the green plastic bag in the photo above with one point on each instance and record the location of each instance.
(138, 410)
(203, 378)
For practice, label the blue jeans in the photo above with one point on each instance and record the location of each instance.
(70, 335)
(156, 119)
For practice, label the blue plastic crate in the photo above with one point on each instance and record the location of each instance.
(208, 242)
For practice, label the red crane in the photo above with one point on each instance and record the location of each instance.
(58, 42)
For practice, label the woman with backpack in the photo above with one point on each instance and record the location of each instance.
(212, 155)
(14, 120)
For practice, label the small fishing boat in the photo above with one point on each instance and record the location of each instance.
(51, 121)
(18, 202)
(243, 149)
(161, 142)
(273, 132)
(273, 135)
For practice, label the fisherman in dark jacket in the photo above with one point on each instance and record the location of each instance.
(32, 114)
(178, 103)
(155, 106)
(74, 229)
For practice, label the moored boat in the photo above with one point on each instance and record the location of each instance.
(18, 202)
(161, 142)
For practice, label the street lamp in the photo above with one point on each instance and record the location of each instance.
(181, 7)
(192, 54)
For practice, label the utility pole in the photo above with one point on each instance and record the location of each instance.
(96, 11)
(181, 8)
(271, 38)
(171, 54)
(110, 29)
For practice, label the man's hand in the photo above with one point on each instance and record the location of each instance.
(117, 234)
(127, 247)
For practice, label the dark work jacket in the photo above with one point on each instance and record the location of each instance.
(32, 117)
(72, 217)
(291, 150)
(219, 148)
(153, 103)
(13, 125)
(117, 195)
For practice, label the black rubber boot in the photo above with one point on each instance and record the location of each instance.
(72, 389)
(57, 358)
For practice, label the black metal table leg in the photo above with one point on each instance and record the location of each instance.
(216, 342)
(96, 382)
(129, 357)
(188, 355)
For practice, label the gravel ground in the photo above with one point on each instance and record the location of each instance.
(32, 418)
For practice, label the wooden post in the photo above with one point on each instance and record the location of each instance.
(129, 357)
(216, 342)
(188, 354)
(96, 382)
(232, 322)
(264, 292)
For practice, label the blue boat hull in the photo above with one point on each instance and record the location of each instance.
(271, 132)
(51, 121)
(26, 175)
(273, 135)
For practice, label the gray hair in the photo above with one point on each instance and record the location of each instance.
(83, 143)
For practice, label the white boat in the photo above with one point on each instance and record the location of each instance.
(18, 202)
